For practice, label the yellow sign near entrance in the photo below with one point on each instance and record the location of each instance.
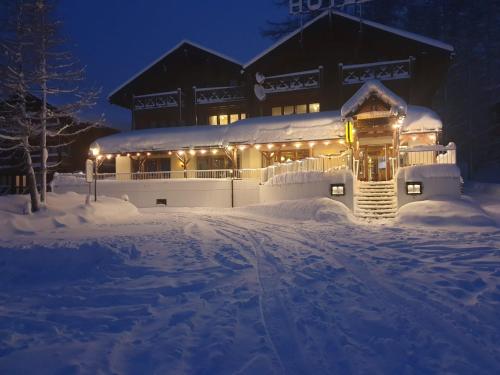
(349, 131)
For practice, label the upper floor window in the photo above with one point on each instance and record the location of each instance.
(224, 119)
(295, 109)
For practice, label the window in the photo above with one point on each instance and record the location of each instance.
(314, 107)
(297, 109)
(301, 108)
(276, 111)
(212, 120)
(288, 110)
(233, 117)
(224, 119)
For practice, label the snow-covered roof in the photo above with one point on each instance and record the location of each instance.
(405, 34)
(420, 119)
(304, 127)
(184, 41)
(373, 87)
(257, 130)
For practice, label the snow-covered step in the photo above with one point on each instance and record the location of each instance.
(375, 200)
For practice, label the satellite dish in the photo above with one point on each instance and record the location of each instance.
(259, 91)
(260, 78)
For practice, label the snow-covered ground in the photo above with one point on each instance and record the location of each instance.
(294, 287)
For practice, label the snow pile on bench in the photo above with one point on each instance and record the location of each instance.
(63, 211)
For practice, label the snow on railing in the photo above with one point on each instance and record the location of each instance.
(320, 164)
(425, 155)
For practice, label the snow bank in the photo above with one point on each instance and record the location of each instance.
(63, 211)
(39, 265)
(67, 179)
(445, 212)
(317, 209)
(419, 172)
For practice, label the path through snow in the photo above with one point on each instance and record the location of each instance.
(184, 291)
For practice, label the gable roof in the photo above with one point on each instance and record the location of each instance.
(405, 34)
(177, 46)
(373, 87)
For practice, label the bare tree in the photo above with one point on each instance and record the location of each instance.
(16, 124)
(57, 74)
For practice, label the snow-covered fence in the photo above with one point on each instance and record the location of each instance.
(426, 155)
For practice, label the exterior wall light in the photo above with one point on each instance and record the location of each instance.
(109, 156)
(337, 190)
(192, 152)
(203, 152)
(214, 151)
(414, 188)
(270, 146)
(94, 151)
(298, 144)
(311, 144)
(148, 154)
(257, 147)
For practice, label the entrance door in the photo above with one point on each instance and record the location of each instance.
(374, 164)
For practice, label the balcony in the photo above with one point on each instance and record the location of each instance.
(383, 71)
(170, 99)
(309, 79)
(215, 95)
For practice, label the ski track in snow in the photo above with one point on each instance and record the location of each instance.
(201, 292)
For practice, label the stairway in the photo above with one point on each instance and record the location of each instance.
(375, 200)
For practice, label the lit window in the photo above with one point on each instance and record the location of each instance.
(243, 116)
(223, 120)
(212, 120)
(233, 118)
(413, 188)
(314, 107)
(337, 189)
(301, 108)
(288, 110)
(276, 111)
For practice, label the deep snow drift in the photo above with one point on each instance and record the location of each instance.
(293, 287)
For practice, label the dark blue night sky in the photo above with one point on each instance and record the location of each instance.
(115, 39)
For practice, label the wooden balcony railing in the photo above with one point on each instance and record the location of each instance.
(214, 95)
(170, 99)
(383, 71)
(309, 79)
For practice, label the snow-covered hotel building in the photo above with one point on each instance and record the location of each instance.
(340, 94)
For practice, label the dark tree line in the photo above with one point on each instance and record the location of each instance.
(469, 101)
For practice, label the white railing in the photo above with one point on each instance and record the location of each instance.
(320, 164)
(425, 155)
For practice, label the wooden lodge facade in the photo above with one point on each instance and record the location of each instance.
(316, 68)
(300, 98)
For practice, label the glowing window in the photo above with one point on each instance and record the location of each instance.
(301, 108)
(288, 110)
(243, 116)
(314, 107)
(212, 120)
(233, 117)
(223, 120)
(276, 111)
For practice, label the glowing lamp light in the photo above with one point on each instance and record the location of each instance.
(432, 137)
(138, 154)
(180, 152)
(258, 147)
(414, 138)
(99, 157)
(282, 158)
(148, 154)
(298, 144)
(109, 156)
(170, 152)
(229, 148)
(94, 151)
(341, 141)
(192, 152)
(326, 143)
(242, 147)
(311, 144)
(214, 151)
(203, 152)
(270, 146)
(128, 154)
